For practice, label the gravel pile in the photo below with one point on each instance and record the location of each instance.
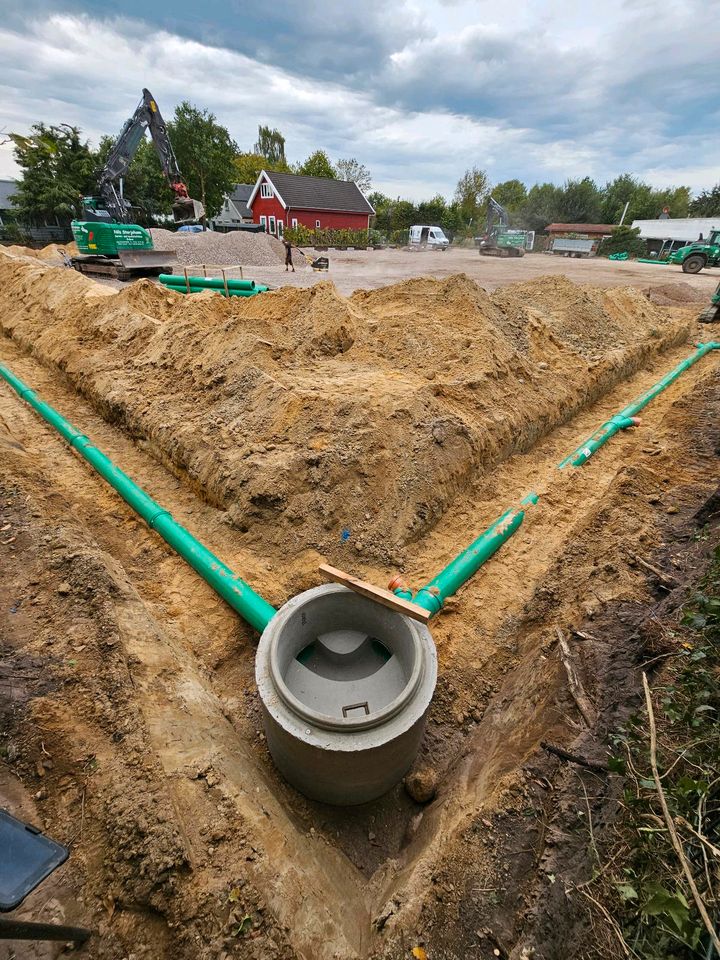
(246, 249)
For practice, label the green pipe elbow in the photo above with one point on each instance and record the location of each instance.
(210, 283)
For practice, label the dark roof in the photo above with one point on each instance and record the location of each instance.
(240, 197)
(319, 193)
(7, 189)
(580, 228)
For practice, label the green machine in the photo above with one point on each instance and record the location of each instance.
(702, 253)
(711, 313)
(499, 240)
(109, 243)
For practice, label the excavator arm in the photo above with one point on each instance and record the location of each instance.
(147, 116)
(497, 217)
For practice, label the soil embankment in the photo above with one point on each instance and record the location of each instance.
(305, 414)
(408, 417)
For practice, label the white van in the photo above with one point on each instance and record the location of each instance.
(428, 238)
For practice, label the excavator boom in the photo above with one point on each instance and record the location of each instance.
(147, 116)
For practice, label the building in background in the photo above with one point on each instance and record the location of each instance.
(235, 211)
(7, 189)
(665, 234)
(576, 239)
(280, 201)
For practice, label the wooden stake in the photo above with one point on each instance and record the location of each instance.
(365, 589)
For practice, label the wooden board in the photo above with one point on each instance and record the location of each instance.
(369, 590)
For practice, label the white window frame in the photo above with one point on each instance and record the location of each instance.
(271, 225)
(263, 223)
(294, 223)
(266, 190)
(317, 224)
(280, 229)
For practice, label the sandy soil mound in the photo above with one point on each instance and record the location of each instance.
(52, 253)
(677, 294)
(307, 415)
(251, 249)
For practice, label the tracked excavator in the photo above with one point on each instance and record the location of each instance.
(109, 243)
(499, 240)
(711, 313)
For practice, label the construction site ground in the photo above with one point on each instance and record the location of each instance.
(408, 417)
(352, 270)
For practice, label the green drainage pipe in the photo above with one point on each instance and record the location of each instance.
(210, 283)
(432, 596)
(233, 293)
(627, 416)
(238, 594)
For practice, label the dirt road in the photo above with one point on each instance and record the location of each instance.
(368, 269)
(133, 724)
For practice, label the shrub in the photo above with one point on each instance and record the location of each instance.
(623, 240)
(304, 237)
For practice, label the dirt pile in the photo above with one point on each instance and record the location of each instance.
(52, 253)
(238, 247)
(678, 294)
(333, 423)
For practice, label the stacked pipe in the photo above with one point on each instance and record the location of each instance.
(227, 287)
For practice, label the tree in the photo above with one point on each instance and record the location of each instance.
(510, 194)
(624, 239)
(626, 189)
(271, 145)
(471, 195)
(383, 210)
(144, 185)
(580, 201)
(318, 165)
(404, 215)
(645, 203)
(451, 221)
(58, 169)
(206, 155)
(676, 199)
(707, 204)
(541, 207)
(355, 171)
(432, 211)
(249, 165)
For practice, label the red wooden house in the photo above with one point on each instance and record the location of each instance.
(283, 200)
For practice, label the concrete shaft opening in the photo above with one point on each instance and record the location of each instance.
(345, 686)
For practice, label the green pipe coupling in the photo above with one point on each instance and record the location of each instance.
(626, 417)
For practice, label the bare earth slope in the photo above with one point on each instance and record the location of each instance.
(305, 414)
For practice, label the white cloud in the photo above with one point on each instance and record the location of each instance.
(544, 92)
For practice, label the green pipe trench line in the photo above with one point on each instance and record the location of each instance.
(240, 595)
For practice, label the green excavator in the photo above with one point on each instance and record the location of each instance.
(109, 243)
(711, 313)
(499, 240)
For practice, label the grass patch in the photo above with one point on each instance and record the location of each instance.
(643, 884)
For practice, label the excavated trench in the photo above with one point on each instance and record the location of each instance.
(442, 406)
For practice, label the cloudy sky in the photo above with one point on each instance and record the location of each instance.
(418, 90)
